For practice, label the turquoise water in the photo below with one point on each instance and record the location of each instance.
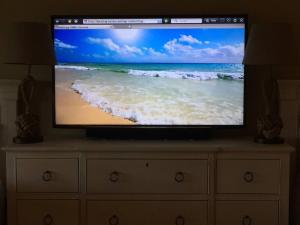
(204, 67)
(157, 94)
(183, 67)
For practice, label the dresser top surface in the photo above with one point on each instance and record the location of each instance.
(86, 145)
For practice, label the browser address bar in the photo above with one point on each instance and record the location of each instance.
(121, 21)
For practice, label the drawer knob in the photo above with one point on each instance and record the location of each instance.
(47, 176)
(246, 220)
(179, 177)
(179, 220)
(113, 220)
(114, 176)
(248, 177)
(48, 220)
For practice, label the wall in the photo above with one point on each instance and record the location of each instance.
(259, 11)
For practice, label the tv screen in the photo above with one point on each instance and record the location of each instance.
(159, 71)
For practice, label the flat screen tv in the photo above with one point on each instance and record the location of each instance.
(125, 72)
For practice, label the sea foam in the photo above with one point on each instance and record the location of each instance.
(73, 67)
(137, 113)
(160, 111)
(175, 74)
(192, 75)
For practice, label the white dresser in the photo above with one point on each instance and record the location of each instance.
(89, 182)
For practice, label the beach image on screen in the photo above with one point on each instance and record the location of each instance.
(157, 76)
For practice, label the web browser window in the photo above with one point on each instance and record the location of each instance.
(149, 71)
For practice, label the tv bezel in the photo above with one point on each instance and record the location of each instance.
(139, 126)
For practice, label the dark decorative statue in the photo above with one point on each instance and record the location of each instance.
(28, 126)
(28, 44)
(270, 125)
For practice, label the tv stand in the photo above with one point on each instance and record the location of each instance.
(92, 182)
(150, 133)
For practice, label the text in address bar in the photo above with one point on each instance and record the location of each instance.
(121, 21)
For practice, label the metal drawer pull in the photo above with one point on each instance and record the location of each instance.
(248, 176)
(179, 177)
(246, 220)
(114, 220)
(114, 176)
(47, 220)
(47, 176)
(179, 220)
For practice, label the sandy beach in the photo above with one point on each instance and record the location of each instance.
(72, 109)
(118, 95)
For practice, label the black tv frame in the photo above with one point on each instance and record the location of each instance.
(149, 131)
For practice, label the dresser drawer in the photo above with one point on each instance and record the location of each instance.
(248, 176)
(47, 212)
(47, 175)
(247, 213)
(147, 176)
(147, 213)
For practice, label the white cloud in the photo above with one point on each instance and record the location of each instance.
(59, 44)
(210, 51)
(153, 53)
(133, 49)
(177, 49)
(189, 39)
(222, 53)
(106, 42)
(233, 50)
(173, 46)
(112, 46)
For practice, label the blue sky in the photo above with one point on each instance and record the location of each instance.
(210, 45)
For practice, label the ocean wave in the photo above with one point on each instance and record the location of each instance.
(150, 112)
(73, 67)
(192, 75)
(90, 68)
(177, 74)
(134, 113)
